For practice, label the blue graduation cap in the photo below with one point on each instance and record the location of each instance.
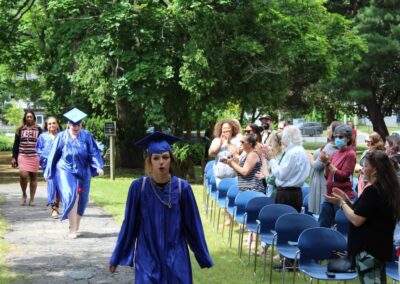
(157, 142)
(75, 116)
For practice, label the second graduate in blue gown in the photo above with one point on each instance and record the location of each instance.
(71, 162)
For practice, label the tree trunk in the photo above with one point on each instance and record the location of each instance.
(376, 116)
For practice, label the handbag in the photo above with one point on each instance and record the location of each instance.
(340, 262)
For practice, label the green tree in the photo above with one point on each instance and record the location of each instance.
(14, 114)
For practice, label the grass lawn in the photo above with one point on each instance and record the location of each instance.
(111, 195)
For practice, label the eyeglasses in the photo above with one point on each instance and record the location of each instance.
(339, 136)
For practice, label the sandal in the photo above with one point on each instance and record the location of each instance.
(23, 201)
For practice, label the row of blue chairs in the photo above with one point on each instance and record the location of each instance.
(276, 225)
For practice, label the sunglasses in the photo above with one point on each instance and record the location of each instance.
(247, 131)
(339, 136)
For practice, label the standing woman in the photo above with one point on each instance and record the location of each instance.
(25, 157)
(339, 170)
(43, 147)
(317, 177)
(161, 220)
(372, 217)
(73, 159)
(250, 162)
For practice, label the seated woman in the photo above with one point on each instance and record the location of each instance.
(372, 217)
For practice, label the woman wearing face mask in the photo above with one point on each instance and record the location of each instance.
(372, 217)
(161, 220)
(73, 159)
(339, 172)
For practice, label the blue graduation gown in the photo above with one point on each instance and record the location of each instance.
(43, 147)
(155, 237)
(71, 163)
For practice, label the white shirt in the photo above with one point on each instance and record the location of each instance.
(293, 169)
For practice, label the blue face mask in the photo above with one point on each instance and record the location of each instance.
(339, 142)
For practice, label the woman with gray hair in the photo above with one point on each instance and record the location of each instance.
(339, 172)
(291, 170)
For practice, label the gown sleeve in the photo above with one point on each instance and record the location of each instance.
(193, 228)
(94, 156)
(124, 252)
(54, 156)
(39, 150)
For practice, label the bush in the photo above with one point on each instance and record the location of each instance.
(6, 143)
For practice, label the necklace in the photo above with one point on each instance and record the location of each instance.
(169, 205)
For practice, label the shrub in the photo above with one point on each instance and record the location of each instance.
(6, 143)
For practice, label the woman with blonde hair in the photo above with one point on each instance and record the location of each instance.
(161, 220)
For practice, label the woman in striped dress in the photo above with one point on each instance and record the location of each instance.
(25, 157)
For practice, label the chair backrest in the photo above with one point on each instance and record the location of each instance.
(254, 207)
(319, 243)
(209, 174)
(243, 198)
(290, 226)
(209, 165)
(224, 186)
(305, 189)
(342, 223)
(233, 191)
(270, 213)
(212, 184)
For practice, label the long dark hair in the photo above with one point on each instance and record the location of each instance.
(386, 179)
(24, 119)
(257, 131)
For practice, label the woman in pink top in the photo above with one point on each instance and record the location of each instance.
(339, 172)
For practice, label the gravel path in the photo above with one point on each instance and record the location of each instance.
(42, 252)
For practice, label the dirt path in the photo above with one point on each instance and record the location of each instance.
(42, 252)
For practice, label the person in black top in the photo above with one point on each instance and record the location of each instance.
(372, 217)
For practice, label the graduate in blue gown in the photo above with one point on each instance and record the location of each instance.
(43, 147)
(73, 159)
(161, 220)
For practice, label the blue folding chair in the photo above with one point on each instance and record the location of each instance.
(252, 211)
(305, 205)
(392, 268)
(222, 191)
(266, 226)
(342, 223)
(212, 194)
(208, 166)
(316, 245)
(241, 201)
(208, 176)
(288, 228)
(233, 191)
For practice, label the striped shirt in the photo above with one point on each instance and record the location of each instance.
(25, 141)
(250, 182)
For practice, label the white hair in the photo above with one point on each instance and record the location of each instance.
(291, 135)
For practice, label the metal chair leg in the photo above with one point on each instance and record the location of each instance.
(219, 215)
